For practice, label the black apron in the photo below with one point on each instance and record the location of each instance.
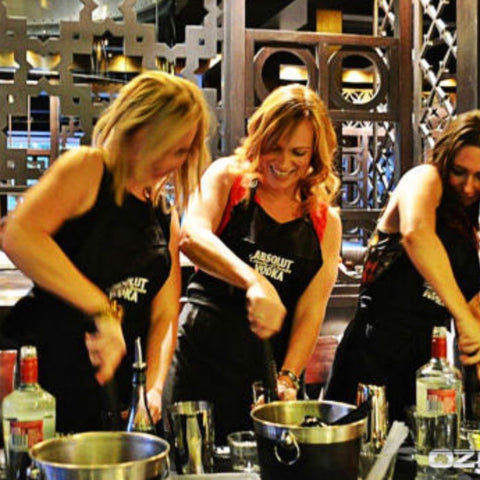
(390, 336)
(217, 356)
(123, 250)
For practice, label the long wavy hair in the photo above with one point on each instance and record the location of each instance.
(461, 132)
(168, 107)
(278, 116)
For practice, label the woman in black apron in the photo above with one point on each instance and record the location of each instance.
(421, 269)
(94, 234)
(266, 243)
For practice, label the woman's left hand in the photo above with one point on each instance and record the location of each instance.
(154, 400)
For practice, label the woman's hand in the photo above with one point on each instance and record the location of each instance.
(286, 391)
(266, 311)
(154, 400)
(468, 329)
(106, 347)
(469, 340)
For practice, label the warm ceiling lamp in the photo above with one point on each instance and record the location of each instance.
(357, 76)
(293, 73)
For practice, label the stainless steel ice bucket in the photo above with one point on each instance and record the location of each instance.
(287, 450)
(102, 456)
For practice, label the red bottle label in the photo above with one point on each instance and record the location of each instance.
(441, 401)
(25, 434)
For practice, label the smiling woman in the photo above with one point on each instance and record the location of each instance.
(283, 164)
(465, 175)
(420, 270)
(266, 242)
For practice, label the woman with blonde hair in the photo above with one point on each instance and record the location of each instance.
(99, 241)
(266, 242)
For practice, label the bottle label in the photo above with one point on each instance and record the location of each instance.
(24, 435)
(441, 400)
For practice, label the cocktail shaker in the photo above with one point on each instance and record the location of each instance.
(377, 421)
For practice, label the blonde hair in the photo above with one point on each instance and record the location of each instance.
(277, 116)
(168, 106)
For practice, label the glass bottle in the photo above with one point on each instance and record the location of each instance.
(28, 416)
(438, 403)
(139, 418)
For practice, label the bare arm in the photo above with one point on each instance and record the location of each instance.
(205, 249)
(68, 189)
(310, 310)
(418, 195)
(162, 335)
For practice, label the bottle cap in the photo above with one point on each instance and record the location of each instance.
(28, 364)
(28, 351)
(439, 342)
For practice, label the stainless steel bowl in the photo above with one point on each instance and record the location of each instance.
(103, 456)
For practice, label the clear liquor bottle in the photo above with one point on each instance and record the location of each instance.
(139, 418)
(28, 416)
(438, 403)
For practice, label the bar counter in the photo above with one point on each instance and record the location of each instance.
(405, 469)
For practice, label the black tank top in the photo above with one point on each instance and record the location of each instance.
(123, 250)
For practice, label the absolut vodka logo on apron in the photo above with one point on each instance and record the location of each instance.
(430, 294)
(129, 289)
(271, 265)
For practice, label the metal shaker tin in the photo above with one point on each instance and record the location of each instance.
(377, 421)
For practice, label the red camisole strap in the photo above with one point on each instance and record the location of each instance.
(319, 219)
(238, 192)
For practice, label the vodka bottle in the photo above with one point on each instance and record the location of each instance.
(438, 402)
(139, 418)
(28, 416)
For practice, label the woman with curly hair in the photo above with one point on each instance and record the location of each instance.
(420, 270)
(266, 242)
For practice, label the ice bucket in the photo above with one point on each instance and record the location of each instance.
(102, 456)
(289, 451)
